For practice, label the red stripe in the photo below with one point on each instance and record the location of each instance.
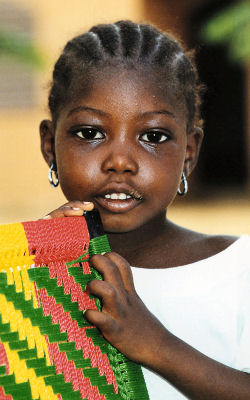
(77, 335)
(4, 359)
(57, 239)
(59, 270)
(4, 396)
(71, 374)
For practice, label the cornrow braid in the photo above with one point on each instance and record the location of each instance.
(109, 39)
(125, 43)
(150, 40)
(130, 34)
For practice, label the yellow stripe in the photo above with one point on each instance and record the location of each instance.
(13, 246)
(23, 374)
(24, 328)
(19, 277)
(28, 286)
(15, 259)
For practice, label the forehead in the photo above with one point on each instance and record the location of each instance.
(128, 90)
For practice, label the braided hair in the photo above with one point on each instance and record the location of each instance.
(128, 45)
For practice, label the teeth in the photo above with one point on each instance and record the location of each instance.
(122, 196)
(118, 196)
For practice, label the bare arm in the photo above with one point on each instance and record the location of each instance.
(198, 376)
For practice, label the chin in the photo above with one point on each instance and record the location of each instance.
(117, 229)
(120, 225)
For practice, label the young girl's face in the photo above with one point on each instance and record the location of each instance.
(122, 146)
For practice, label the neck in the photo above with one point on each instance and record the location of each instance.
(134, 245)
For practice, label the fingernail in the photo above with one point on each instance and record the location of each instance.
(76, 208)
(87, 202)
(47, 217)
(102, 254)
(84, 311)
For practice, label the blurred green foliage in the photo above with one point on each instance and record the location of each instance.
(20, 48)
(231, 26)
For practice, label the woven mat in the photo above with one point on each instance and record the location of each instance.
(48, 350)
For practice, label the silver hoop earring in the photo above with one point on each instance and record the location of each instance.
(54, 182)
(185, 185)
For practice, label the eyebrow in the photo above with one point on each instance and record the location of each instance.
(86, 108)
(164, 112)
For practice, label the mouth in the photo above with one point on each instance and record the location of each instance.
(119, 201)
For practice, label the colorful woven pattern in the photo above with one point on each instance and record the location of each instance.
(48, 350)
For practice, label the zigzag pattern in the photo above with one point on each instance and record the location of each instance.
(48, 351)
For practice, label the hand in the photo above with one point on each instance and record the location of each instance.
(124, 321)
(129, 326)
(70, 209)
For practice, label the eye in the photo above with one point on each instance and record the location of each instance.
(155, 137)
(89, 133)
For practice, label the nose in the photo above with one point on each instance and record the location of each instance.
(120, 160)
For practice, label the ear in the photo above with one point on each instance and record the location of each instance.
(47, 141)
(194, 141)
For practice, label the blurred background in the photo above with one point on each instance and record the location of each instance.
(32, 35)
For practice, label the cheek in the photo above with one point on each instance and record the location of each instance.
(163, 173)
(164, 188)
(77, 173)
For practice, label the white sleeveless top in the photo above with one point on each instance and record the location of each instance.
(206, 304)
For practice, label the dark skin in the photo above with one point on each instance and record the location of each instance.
(124, 137)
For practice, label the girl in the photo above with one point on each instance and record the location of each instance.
(124, 133)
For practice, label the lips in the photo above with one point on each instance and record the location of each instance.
(118, 198)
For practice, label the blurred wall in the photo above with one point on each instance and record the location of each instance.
(24, 189)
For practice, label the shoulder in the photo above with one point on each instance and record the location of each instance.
(210, 245)
(217, 243)
(184, 246)
(201, 246)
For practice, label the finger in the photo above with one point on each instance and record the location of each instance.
(73, 208)
(79, 204)
(102, 321)
(108, 294)
(64, 212)
(125, 270)
(108, 269)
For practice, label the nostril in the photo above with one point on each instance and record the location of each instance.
(119, 163)
(120, 170)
